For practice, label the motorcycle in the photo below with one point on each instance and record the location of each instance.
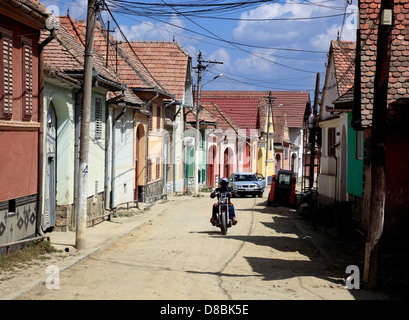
(223, 220)
(308, 202)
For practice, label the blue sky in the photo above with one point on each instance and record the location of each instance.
(279, 45)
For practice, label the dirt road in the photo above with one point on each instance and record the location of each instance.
(179, 255)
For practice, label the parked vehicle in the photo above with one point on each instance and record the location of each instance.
(261, 179)
(308, 203)
(282, 189)
(244, 183)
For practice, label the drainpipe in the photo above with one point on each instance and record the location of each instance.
(147, 143)
(119, 116)
(165, 188)
(40, 169)
(108, 134)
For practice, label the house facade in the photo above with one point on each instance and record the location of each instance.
(257, 117)
(62, 105)
(171, 66)
(333, 121)
(392, 237)
(20, 117)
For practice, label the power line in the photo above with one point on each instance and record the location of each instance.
(272, 19)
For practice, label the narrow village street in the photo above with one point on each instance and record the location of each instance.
(179, 255)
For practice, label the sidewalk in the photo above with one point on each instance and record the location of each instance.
(97, 238)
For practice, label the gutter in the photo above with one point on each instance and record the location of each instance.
(115, 86)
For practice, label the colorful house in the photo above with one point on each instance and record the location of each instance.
(393, 243)
(333, 121)
(64, 66)
(20, 117)
(282, 142)
(171, 66)
(137, 158)
(254, 117)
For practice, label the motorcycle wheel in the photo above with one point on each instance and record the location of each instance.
(223, 226)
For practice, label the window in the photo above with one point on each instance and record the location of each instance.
(27, 51)
(6, 69)
(98, 118)
(331, 142)
(360, 145)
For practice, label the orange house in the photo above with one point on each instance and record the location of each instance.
(20, 91)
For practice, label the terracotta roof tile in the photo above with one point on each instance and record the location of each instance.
(124, 64)
(167, 62)
(344, 62)
(398, 87)
(280, 126)
(293, 102)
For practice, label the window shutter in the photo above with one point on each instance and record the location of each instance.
(28, 80)
(157, 168)
(6, 56)
(149, 170)
(98, 118)
(150, 119)
(331, 142)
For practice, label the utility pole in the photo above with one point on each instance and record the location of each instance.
(269, 113)
(377, 148)
(313, 132)
(200, 67)
(107, 51)
(81, 218)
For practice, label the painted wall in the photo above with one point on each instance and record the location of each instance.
(18, 136)
(63, 100)
(123, 176)
(355, 165)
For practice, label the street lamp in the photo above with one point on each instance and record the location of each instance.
(196, 164)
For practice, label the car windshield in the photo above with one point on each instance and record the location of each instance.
(246, 177)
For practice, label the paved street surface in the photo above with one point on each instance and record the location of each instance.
(269, 254)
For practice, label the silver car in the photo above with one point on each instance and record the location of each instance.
(246, 183)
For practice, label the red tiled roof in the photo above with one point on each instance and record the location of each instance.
(398, 87)
(344, 62)
(66, 54)
(125, 64)
(280, 127)
(243, 111)
(40, 13)
(222, 119)
(293, 102)
(166, 61)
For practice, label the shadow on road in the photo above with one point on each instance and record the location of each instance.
(307, 252)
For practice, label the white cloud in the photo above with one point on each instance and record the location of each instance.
(149, 31)
(252, 63)
(322, 41)
(221, 55)
(266, 31)
(300, 34)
